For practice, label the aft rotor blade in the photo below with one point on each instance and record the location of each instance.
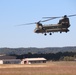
(71, 15)
(49, 19)
(60, 16)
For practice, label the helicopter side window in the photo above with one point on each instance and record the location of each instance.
(39, 26)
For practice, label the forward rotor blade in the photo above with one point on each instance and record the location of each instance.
(29, 23)
(26, 24)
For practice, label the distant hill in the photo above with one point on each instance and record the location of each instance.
(20, 51)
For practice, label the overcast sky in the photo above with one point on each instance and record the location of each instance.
(15, 12)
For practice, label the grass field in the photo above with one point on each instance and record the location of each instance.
(49, 68)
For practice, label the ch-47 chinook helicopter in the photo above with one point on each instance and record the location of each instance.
(62, 26)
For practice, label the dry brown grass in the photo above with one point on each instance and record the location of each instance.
(49, 68)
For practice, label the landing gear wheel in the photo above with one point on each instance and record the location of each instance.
(60, 31)
(45, 34)
(66, 31)
(50, 34)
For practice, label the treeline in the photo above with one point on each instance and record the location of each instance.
(67, 56)
(47, 50)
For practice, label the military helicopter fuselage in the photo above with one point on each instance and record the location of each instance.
(51, 28)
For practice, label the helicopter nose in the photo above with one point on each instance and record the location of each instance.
(36, 31)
